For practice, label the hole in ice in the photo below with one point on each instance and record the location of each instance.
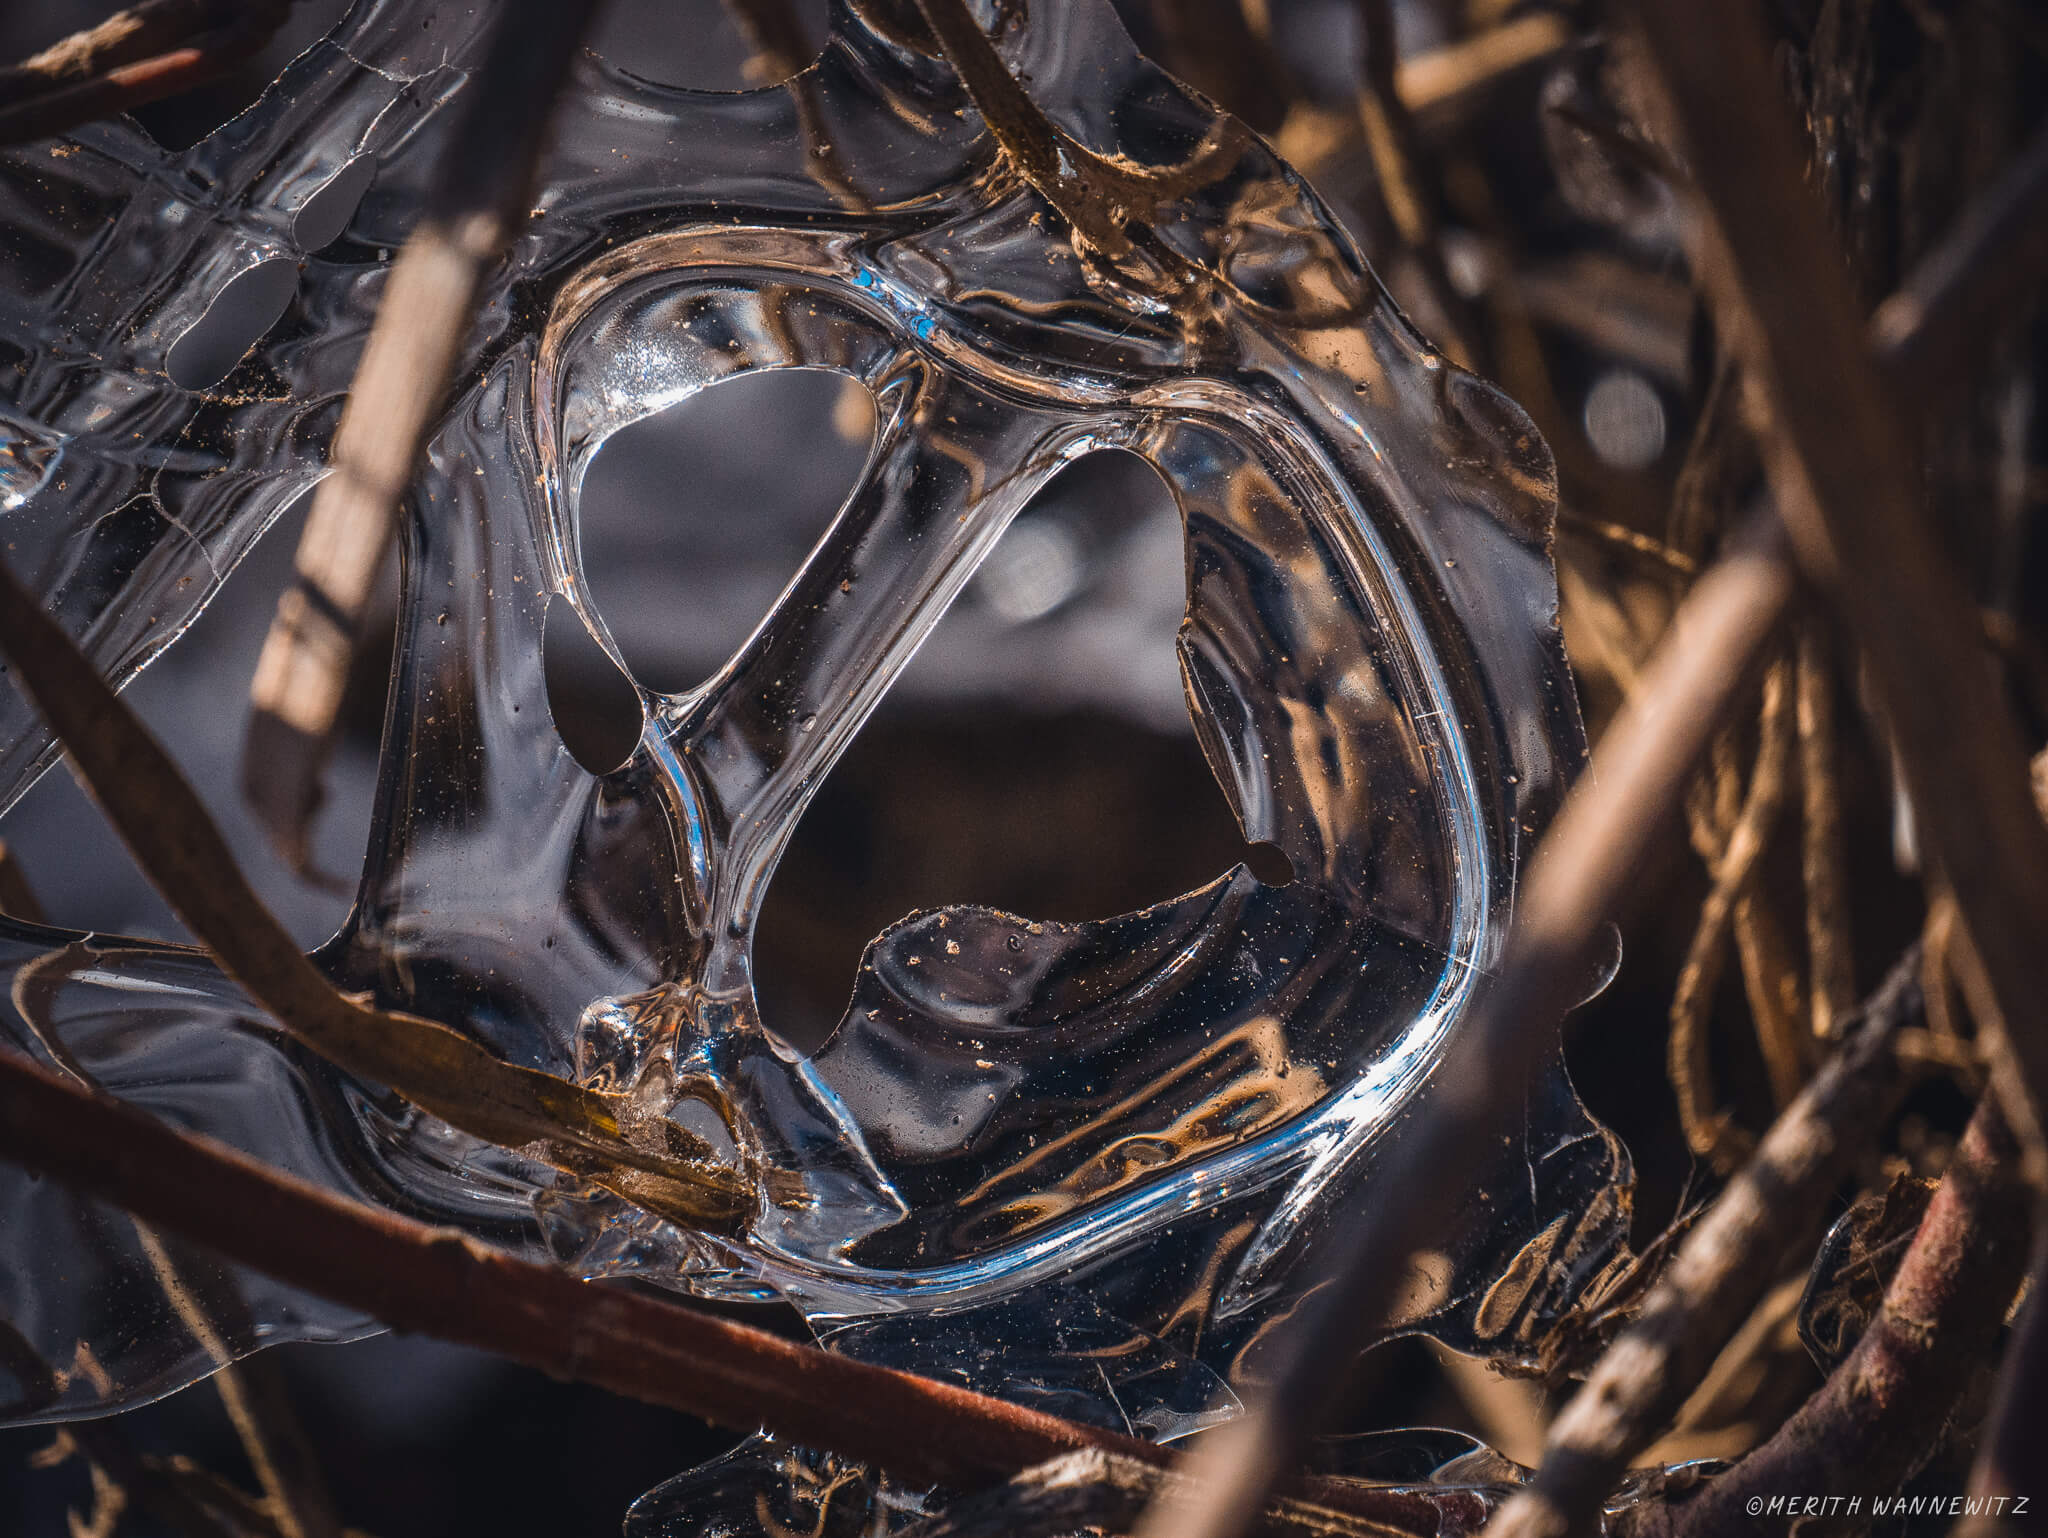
(322, 218)
(1035, 757)
(693, 521)
(593, 703)
(236, 320)
(1269, 863)
(695, 44)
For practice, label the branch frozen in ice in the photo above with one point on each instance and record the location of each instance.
(441, 1283)
(166, 826)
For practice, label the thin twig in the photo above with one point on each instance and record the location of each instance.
(105, 1446)
(1443, 82)
(165, 824)
(1831, 962)
(441, 1283)
(1576, 880)
(1734, 870)
(1726, 1264)
(143, 54)
(482, 193)
(1973, 279)
(1835, 447)
(1881, 1413)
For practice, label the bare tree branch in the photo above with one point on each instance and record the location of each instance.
(1726, 1264)
(440, 1282)
(1881, 1414)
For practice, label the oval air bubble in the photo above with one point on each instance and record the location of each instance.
(326, 214)
(235, 322)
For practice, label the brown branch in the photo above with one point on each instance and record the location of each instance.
(1881, 1413)
(439, 1282)
(1833, 980)
(164, 823)
(1836, 450)
(1734, 867)
(1726, 1264)
(2009, 1459)
(1578, 877)
(152, 50)
(482, 191)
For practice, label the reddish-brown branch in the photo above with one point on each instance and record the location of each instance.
(1881, 1412)
(441, 1283)
(153, 50)
(1725, 1265)
(2009, 1459)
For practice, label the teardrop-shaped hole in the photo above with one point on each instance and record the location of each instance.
(235, 322)
(595, 708)
(1035, 757)
(693, 521)
(322, 217)
(707, 45)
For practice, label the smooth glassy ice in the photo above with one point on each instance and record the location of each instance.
(1120, 1131)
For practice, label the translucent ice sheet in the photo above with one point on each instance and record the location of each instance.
(1157, 1111)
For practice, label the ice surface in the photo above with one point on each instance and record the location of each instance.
(1154, 1113)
